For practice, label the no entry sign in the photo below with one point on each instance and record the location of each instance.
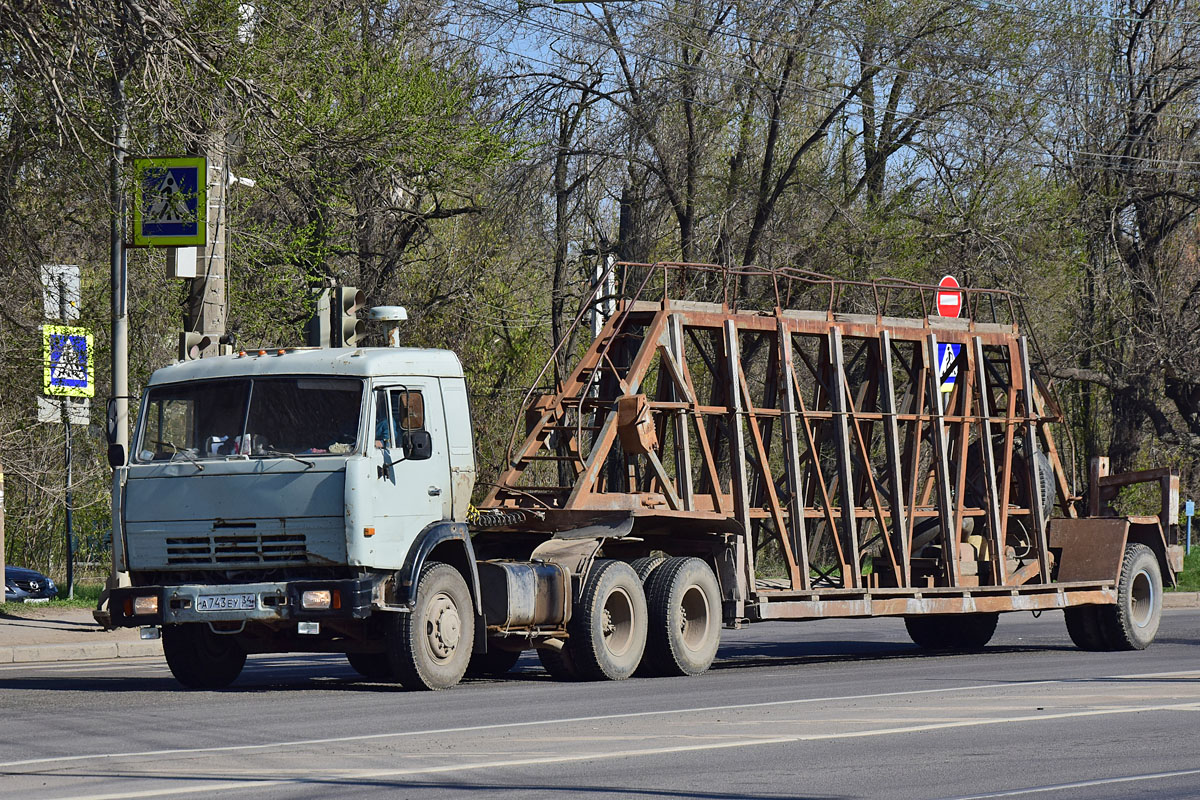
(949, 299)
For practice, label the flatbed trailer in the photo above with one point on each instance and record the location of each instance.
(833, 464)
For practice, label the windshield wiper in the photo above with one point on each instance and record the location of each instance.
(292, 456)
(187, 454)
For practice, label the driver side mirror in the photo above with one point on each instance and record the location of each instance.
(418, 445)
(116, 455)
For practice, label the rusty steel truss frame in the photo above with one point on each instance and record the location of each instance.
(850, 472)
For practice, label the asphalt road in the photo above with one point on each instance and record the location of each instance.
(833, 709)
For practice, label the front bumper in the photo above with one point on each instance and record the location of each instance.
(273, 602)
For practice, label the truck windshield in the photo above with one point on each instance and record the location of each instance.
(259, 417)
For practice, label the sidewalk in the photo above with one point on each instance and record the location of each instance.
(46, 633)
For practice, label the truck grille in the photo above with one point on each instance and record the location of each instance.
(237, 549)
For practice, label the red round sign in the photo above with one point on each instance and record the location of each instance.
(949, 303)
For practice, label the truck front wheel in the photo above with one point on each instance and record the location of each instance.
(201, 659)
(372, 666)
(430, 647)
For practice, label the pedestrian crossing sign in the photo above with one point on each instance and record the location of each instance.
(68, 360)
(169, 202)
(947, 366)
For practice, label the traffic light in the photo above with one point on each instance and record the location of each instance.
(192, 345)
(347, 327)
(318, 331)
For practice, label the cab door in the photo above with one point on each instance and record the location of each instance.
(411, 465)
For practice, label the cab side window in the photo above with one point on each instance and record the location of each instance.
(383, 427)
(408, 411)
(397, 412)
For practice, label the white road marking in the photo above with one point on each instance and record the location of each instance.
(526, 724)
(531, 723)
(1058, 787)
(251, 783)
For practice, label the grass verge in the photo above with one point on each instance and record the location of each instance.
(1189, 579)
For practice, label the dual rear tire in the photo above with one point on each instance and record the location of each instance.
(654, 616)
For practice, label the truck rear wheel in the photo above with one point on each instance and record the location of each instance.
(201, 659)
(608, 631)
(684, 603)
(1132, 623)
(558, 664)
(645, 565)
(947, 632)
(430, 647)
(494, 663)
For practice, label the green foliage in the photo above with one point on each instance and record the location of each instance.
(1189, 579)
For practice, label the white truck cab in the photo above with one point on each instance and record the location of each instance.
(288, 487)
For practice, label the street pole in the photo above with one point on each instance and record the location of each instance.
(65, 403)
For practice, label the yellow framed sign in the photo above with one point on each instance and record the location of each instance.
(68, 362)
(169, 202)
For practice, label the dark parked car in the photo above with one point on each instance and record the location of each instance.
(22, 584)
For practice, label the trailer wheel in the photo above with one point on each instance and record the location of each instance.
(494, 663)
(608, 631)
(430, 647)
(1085, 627)
(684, 602)
(947, 632)
(201, 659)
(372, 666)
(1132, 623)
(558, 664)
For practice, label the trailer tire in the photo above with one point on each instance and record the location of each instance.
(429, 648)
(201, 659)
(1132, 623)
(952, 632)
(372, 666)
(1085, 628)
(558, 664)
(684, 603)
(608, 631)
(492, 664)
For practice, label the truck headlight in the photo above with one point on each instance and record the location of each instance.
(316, 600)
(145, 605)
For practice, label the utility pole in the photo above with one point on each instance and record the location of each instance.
(208, 301)
(119, 291)
(3, 581)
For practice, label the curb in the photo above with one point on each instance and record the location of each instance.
(21, 654)
(1181, 599)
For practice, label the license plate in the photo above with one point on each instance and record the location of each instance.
(225, 602)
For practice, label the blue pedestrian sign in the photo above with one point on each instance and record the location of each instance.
(947, 371)
(68, 361)
(169, 204)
